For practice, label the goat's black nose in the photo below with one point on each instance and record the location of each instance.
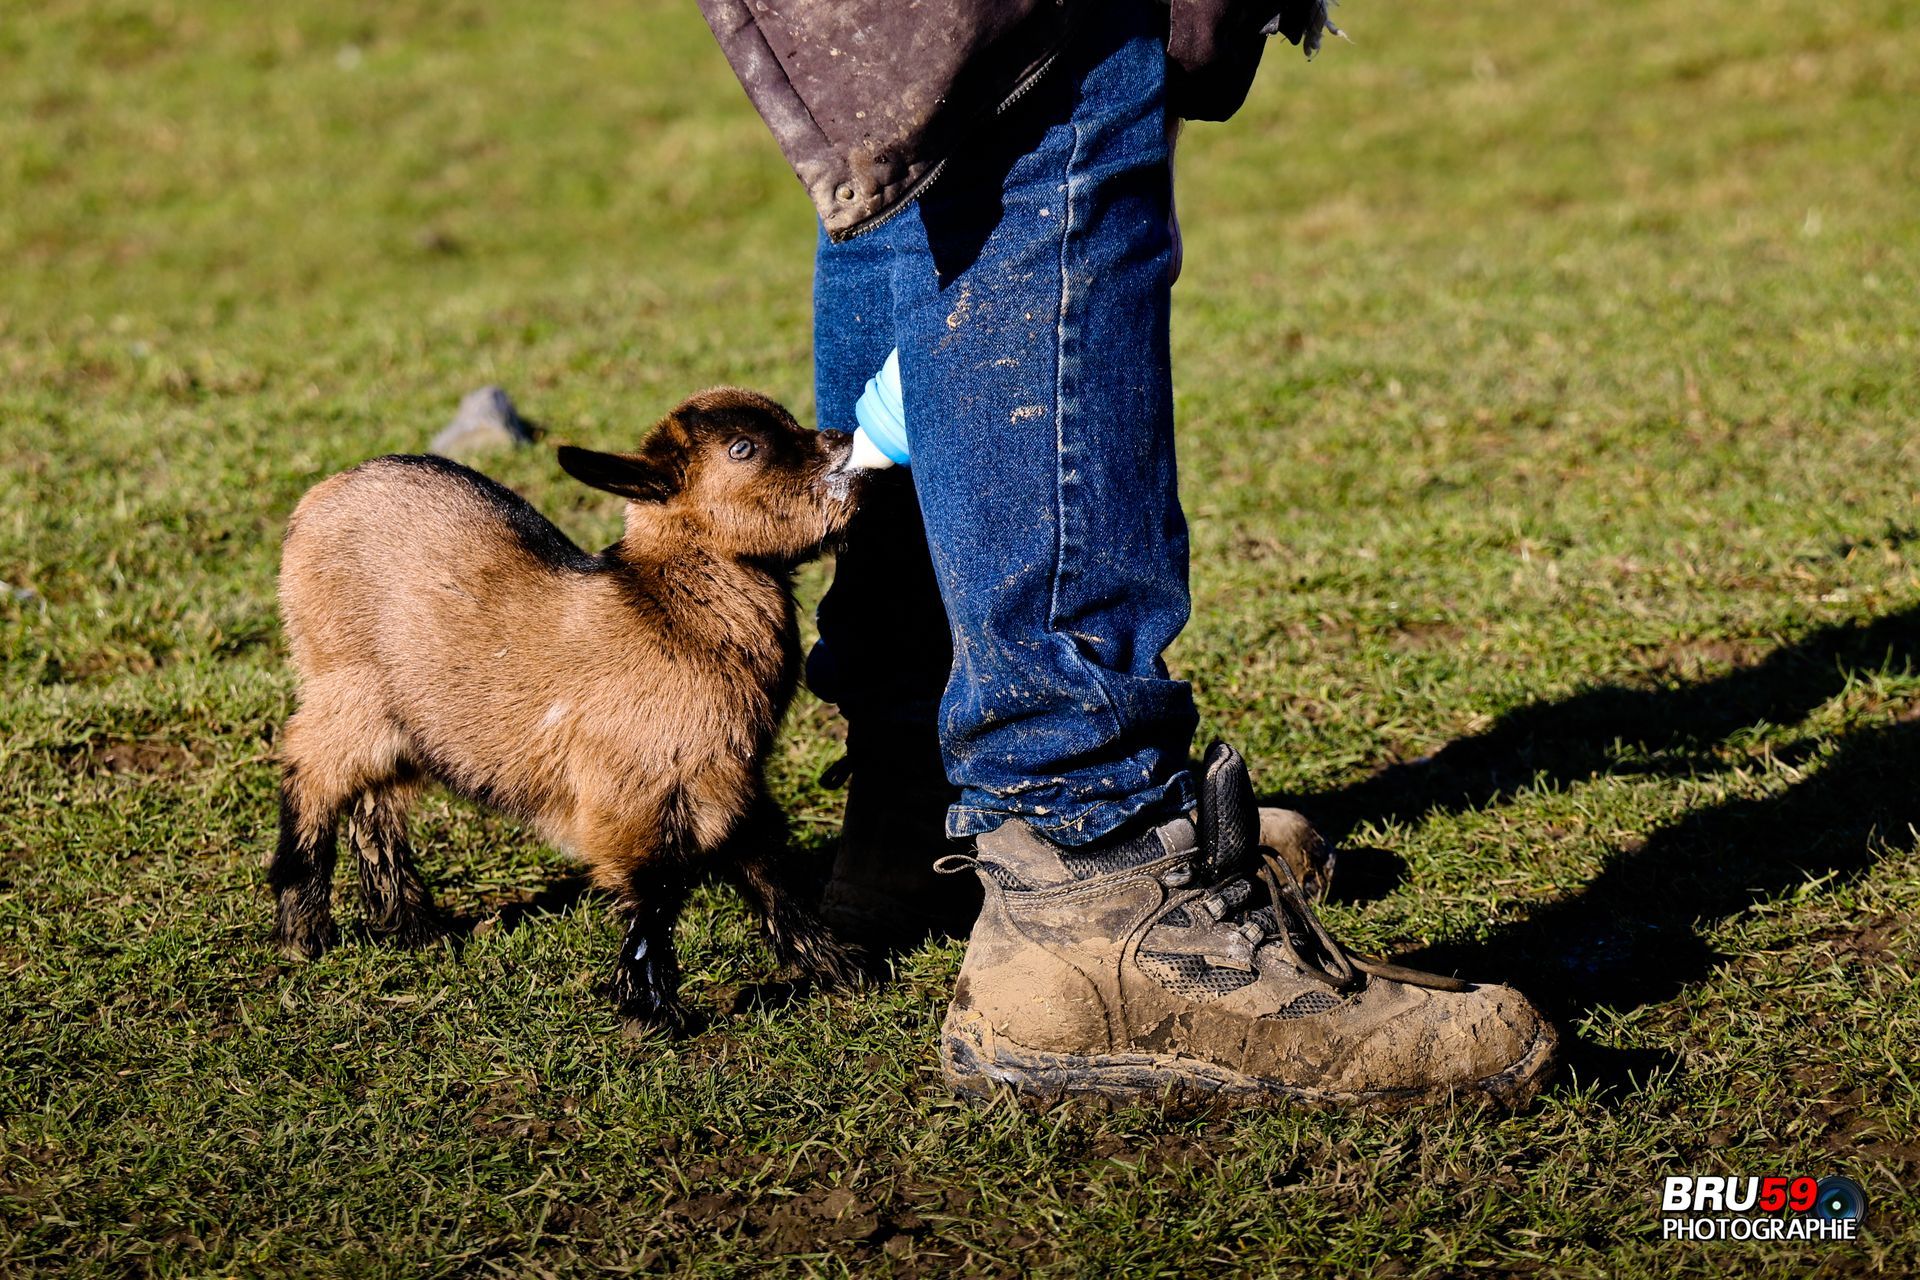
(839, 447)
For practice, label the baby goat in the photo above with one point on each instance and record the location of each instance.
(621, 703)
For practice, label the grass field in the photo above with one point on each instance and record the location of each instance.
(1548, 391)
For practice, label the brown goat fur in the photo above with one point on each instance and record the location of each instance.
(622, 703)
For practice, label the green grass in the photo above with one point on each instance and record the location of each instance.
(1547, 382)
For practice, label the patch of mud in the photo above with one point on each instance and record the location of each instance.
(140, 757)
(1873, 939)
(513, 1107)
(883, 1219)
(813, 1220)
(1163, 1153)
(1692, 659)
(163, 759)
(1414, 636)
(910, 1225)
(822, 1216)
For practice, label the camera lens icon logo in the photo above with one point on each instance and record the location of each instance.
(1838, 1199)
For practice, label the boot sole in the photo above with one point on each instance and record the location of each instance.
(1035, 1077)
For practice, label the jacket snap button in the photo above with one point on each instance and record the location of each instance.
(845, 192)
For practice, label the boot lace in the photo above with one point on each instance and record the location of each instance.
(1299, 933)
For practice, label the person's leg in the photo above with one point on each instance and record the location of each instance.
(884, 650)
(1124, 947)
(1031, 291)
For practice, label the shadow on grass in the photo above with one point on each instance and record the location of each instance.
(1366, 873)
(556, 897)
(1583, 736)
(571, 889)
(1629, 938)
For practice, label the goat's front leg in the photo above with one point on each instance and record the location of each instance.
(755, 861)
(646, 975)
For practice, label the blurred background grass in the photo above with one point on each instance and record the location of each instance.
(1547, 383)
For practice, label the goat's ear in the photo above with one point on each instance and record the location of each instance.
(635, 478)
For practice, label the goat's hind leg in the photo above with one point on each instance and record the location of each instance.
(301, 870)
(396, 902)
(336, 745)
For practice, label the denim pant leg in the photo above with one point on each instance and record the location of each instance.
(1030, 291)
(884, 651)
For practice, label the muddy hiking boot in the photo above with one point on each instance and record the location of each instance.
(1187, 961)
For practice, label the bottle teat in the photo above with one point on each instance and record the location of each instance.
(880, 439)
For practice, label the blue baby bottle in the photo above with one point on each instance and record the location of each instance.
(880, 438)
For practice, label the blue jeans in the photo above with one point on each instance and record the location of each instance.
(1027, 291)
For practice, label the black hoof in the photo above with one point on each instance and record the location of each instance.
(304, 940)
(831, 962)
(663, 1021)
(420, 930)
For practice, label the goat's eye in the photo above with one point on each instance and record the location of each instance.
(740, 450)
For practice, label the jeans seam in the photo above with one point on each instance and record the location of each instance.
(1062, 543)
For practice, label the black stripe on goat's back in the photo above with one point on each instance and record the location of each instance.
(536, 533)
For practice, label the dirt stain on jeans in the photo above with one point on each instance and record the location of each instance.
(962, 308)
